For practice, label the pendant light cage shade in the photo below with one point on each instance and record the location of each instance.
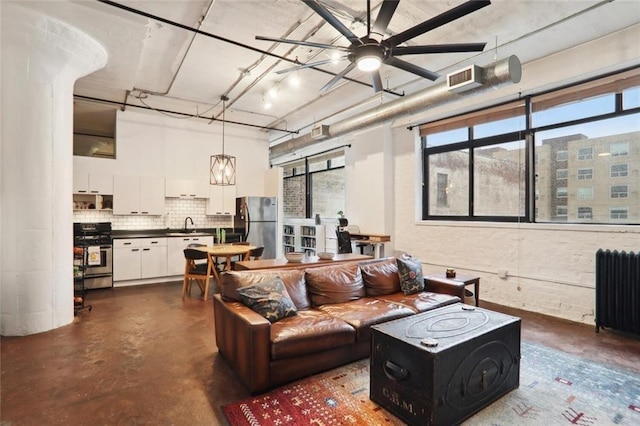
(222, 167)
(223, 170)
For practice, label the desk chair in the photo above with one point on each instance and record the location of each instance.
(195, 271)
(344, 242)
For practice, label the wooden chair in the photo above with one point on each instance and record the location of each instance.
(256, 253)
(195, 271)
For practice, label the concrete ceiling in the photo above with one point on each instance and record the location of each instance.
(156, 64)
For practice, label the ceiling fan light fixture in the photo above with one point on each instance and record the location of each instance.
(369, 63)
(369, 57)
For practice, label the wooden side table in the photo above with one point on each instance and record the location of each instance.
(459, 278)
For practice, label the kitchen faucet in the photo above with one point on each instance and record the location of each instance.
(185, 223)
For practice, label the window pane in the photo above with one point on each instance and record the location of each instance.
(619, 170)
(445, 138)
(499, 127)
(631, 98)
(294, 190)
(453, 168)
(585, 193)
(585, 153)
(585, 174)
(328, 193)
(609, 177)
(574, 110)
(619, 213)
(562, 174)
(499, 180)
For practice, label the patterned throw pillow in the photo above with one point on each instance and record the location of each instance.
(410, 272)
(270, 299)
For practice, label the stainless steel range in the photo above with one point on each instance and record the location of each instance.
(95, 241)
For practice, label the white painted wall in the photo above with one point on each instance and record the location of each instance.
(369, 180)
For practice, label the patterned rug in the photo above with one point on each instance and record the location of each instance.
(555, 389)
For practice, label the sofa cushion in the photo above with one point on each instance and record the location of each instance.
(270, 299)
(293, 280)
(334, 284)
(410, 272)
(361, 314)
(310, 331)
(380, 276)
(420, 302)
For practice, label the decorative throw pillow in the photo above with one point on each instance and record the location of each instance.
(410, 272)
(270, 299)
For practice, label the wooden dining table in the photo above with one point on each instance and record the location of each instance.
(227, 251)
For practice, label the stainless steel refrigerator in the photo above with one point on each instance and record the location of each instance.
(256, 218)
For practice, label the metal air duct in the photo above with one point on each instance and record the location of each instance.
(506, 71)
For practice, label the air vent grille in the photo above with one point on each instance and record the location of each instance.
(465, 79)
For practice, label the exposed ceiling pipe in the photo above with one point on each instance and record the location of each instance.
(506, 71)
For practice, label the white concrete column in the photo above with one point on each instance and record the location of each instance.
(41, 59)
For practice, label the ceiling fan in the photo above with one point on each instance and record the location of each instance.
(371, 50)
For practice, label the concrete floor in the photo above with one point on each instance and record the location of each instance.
(145, 356)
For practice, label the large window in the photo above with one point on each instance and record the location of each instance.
(583, 142)
(315, 185)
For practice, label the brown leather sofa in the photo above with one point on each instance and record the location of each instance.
(337, 305)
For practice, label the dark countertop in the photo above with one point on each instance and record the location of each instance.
(231, 235)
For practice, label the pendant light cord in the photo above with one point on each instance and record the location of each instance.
(224, 100)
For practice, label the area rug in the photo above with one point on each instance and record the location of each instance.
(555, 389)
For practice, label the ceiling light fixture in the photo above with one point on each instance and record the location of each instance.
(222, 167)
(369, 57)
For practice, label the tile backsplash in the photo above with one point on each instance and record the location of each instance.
(176, 210)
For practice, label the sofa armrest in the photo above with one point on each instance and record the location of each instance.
(244, 338)
(445, 286)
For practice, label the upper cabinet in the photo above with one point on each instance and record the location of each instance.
(135, 195)
(222, 201)
(84, 183)
(185, 188)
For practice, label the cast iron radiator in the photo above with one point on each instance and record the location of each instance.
(618, 290)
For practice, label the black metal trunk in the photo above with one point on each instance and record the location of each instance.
(476, 361)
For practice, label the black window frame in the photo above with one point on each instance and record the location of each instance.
(528, 135)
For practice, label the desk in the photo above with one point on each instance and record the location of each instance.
(307, 262)
(466, 280)
(223, 250)
(375, 240)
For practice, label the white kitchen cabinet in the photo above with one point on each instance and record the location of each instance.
(152, 196)
(138, 258)
(175, 254)
(126, 259)
(185, 188)
(135, 195)
(84, 183)
(222, 201)
(153, 259)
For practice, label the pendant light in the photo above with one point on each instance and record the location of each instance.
(222, 166)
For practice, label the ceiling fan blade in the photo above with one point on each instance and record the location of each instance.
(335, 79)
(376, 81)
(438, 48)
(309, 65)
(303, 43)
(414, 69)
(438, 21)
(387, 10)
(332, 20)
